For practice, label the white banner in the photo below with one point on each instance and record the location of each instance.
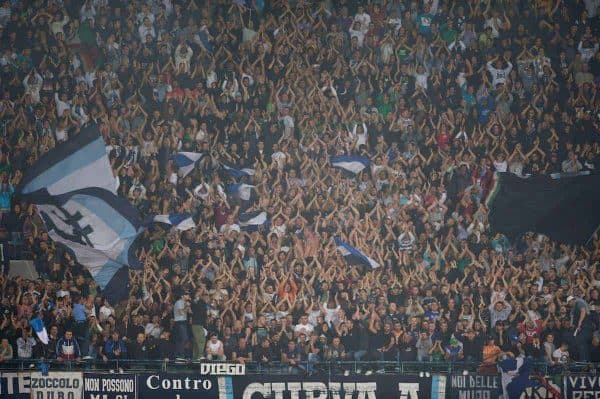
(64, 385)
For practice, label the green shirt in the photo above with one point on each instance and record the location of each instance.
(448, 34)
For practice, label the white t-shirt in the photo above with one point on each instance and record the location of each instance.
(304, 328)
(178, 311)
(560, 356)
(331, 315)
(105, 312)
(499, 76)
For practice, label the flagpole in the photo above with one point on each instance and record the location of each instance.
(592, 236)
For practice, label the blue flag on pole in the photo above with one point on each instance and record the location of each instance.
(351, 163)
(353, 256)
(181, 221)
(515, 376)
(252, 220)
(186, 161)
(40, 329)
(237, 172)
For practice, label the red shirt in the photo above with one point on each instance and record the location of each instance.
(531, 333)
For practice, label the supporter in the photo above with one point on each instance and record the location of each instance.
(67, 348)
(25, 344)
(6, 352)
(437, 96)
(140, 349)
(115, 348)
(215, 349)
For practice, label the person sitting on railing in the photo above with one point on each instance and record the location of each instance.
(561, 355)
(315, 347)
(336, 352)
(437, 352)
(264, 354)
(291, 358)
(140, 348)
(67, 348)
(407, 351)
(424, 345)
(242, 353)
(115, 348)
(47, 351)
(215, 349)
(165, 346)
(25, 344)
(454, 351)
(6, 351)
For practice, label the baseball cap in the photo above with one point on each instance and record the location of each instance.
(570, 298)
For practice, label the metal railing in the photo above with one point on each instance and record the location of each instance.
(304, 367)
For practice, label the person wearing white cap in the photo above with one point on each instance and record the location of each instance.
(583, 326)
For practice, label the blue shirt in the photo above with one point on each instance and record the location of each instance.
(6, 197)
(79, 313)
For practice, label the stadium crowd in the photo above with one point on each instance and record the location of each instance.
(437, 94)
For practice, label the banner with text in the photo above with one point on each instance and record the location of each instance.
(15, 385)
(64, 385)
(474, 387)
(177, 386)
(337, 387)
(109, 386)
(582, 386)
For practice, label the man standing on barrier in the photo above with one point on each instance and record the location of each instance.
(181, 311)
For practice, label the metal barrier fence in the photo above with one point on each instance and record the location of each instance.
(278, 368)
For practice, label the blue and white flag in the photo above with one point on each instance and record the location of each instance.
(351, 163)
(353, 256)
(253, 219)
(99, 229)
(242, 190)
(516, 377)
(78, 163)
(186, 161)
(74, 189)
(237, 172)
(40, 329)
(181, 221)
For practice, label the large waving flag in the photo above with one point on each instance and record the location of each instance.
(237, 172)
(78, 163)
(353, 256)
(98, 227)
(73, 189)
(563, 207)
(351, 163)
(181, 221)
(186, 161)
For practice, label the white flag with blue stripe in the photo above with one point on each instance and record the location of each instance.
(353, 256)
(78, 163)
(250, 220)
(181, 221)
(351, 163)
(186, 161)
(236, 171)
(242, 190)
